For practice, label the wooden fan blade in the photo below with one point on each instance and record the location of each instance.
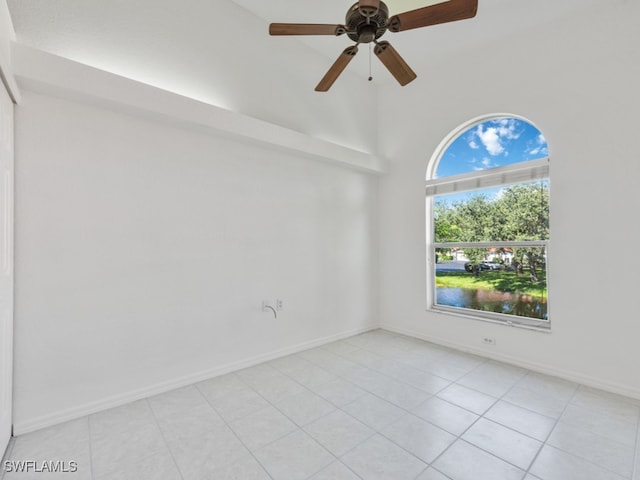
(305, 29)
(337, 68)
(434, 14)
(369, 8)
(394, 63)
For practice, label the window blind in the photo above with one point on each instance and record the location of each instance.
(494, 177)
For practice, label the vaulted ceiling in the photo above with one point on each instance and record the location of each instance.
(496, 20)
(74, 28)
(220, 52)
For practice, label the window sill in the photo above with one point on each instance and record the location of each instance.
(543, 326)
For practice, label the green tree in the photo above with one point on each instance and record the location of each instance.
(446, 227)
(475, 217)
(524, 212)
(519, 213)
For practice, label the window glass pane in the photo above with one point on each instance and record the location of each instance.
(494, 143)
(489, 196)
(517, 212)
(506, 280)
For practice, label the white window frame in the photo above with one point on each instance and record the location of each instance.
(522, 172)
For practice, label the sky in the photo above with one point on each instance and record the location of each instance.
(494, 143)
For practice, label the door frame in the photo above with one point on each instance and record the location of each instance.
(7, 158)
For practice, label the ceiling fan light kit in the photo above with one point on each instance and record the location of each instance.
(366, 21)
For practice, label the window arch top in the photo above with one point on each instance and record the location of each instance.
(491, 143)
(487, 203)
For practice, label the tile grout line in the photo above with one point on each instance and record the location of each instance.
(555, 424)
(458, 437)
(570, 403)
(340, 408)
(434, 395)
(7, 455)
(635, 471)
(122, 431)
(376, 431)
(274, 406)
(501, 398)
(543, 442)
(345, 357)
(338, 459)
(224, 420)
(558, 421)
(90, 448)
(406, 411)
(164, 440)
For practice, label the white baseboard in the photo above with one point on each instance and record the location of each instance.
(546, 369)
(38, 423)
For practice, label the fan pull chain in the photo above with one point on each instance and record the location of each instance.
(370, 76)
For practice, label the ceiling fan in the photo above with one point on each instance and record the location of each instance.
(367, 21)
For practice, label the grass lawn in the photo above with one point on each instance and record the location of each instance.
(502, 281)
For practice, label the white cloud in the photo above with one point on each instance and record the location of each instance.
(474, 145)
(499, 194)
(507, 128)
(540, 148)
(478, 165)
(495, 134)
(488, 163)
(490, 139)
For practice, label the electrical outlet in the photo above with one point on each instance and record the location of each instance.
(279, 304)
(489, 340)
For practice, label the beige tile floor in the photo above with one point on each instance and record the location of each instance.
(373, 406)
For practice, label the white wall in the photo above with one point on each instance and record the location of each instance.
(143, 252)
(6, 269)
(7, 35)
(578, 82)
(216, 52)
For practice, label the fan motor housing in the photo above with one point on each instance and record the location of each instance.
(361, 29)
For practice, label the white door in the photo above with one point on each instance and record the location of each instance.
(6, 266)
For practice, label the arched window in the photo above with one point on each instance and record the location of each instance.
(488, 222)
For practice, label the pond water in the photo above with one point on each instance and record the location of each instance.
(493, 301)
